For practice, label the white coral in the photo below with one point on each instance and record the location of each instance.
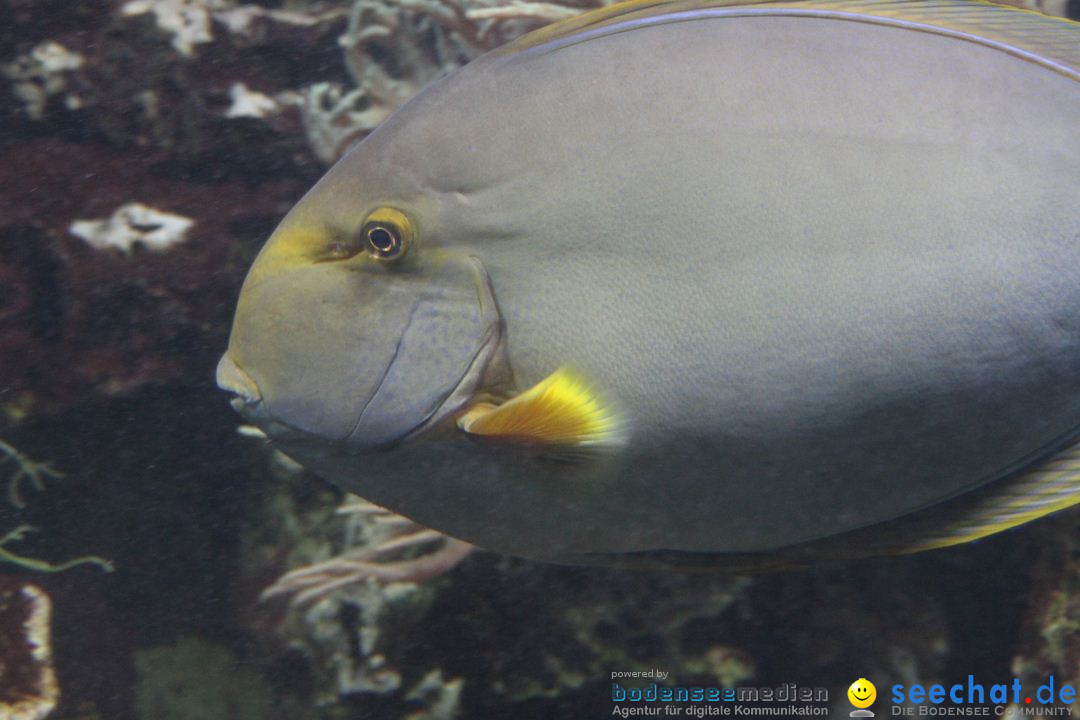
(133, 224)
(42, 73)
(425, 39)
(518, 9)
(188, 21)
(334, 118)
(248, 103)
(242, 20)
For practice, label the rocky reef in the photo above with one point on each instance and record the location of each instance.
(150, 146)
(29, 690)
(147, 148)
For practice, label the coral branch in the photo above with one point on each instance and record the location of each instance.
(368, 563)
(28, 469)
(40, 565)
(548, 12)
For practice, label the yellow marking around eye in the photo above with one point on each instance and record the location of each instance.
(561, 410)
(287, 249)
(391, 216)
(395, 220)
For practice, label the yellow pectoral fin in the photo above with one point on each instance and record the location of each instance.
(562, 410)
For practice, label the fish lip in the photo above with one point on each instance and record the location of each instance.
(247, 399)
(488, 362)
(232, 378)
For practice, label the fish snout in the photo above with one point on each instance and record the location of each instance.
(232, 379)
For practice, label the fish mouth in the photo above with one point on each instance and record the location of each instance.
(487, 367)
(231, 378)
(247, 400)
(484, 370)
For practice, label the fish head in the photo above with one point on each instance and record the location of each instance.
(354, 325)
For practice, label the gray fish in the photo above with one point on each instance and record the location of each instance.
(697, 283)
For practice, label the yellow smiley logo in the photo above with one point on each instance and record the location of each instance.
(862, 693)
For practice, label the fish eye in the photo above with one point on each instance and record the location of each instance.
(383, 240)
(387, 233)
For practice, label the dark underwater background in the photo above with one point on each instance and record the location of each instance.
(147, 149)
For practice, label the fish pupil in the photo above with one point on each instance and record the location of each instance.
(382, 240)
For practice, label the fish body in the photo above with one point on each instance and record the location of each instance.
(820, 262)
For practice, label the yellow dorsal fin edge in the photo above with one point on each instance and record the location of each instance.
(562, 410)
(1048, 488)
(1054, 40)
